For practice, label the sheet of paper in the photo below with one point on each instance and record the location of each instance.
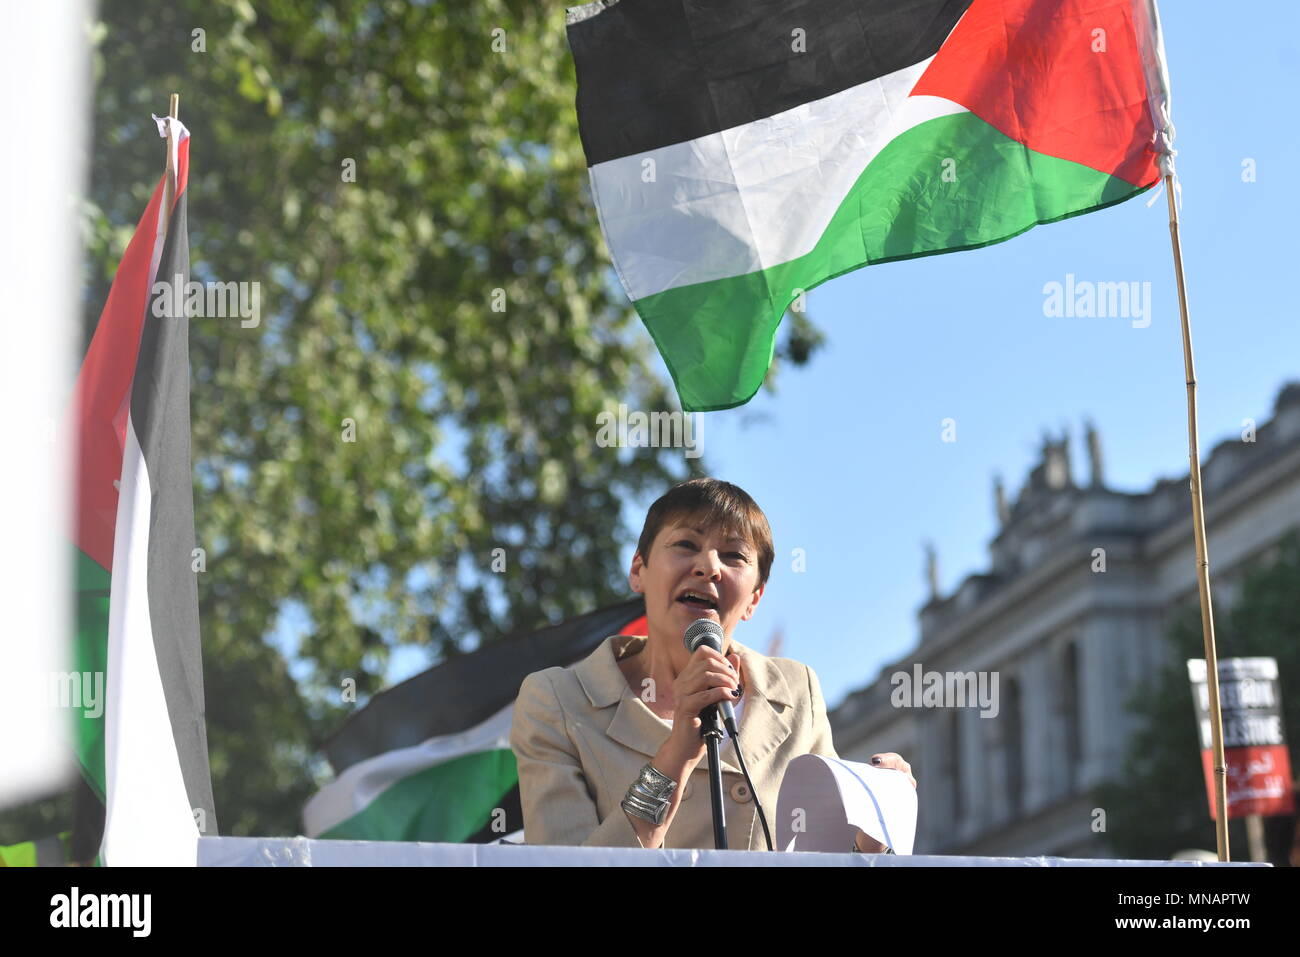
(823, 802)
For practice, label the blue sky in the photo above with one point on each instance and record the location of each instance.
(847, 460)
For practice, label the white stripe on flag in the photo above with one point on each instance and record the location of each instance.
(362, 783)
(148, 819)
(754, 196)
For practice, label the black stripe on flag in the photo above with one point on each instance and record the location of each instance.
(87, 822)
(160, 413)
(656, 72)
(465, 691)
(512, 806)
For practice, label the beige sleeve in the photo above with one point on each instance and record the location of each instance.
(553, 791)
(822, 742)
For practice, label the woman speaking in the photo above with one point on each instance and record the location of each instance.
(609, 750)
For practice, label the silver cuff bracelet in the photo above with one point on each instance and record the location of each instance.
(654, 813)
(656, 784)
(650, 795)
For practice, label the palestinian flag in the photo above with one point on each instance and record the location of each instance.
(741, 152)
(430, 759)
(144, 757)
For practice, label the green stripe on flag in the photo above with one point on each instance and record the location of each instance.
(718, 338)
(90, 656)
(448, 802)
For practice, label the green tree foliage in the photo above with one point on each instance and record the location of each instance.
(406, 183)
(1158, 805)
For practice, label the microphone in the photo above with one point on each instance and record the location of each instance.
(704, 631)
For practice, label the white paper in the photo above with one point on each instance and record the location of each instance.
(824, 801)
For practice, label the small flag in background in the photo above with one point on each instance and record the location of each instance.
(741, 152)
(146, 755)
(430, 759)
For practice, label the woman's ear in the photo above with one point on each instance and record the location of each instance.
(634, 576)
(753, 603)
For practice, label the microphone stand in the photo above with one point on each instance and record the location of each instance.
(711, 731)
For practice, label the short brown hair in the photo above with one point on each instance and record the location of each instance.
(712, 503)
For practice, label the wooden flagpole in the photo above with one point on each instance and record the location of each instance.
(1198, 531)
(1158, 91)
(169, 194)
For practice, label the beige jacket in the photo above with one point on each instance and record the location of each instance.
(580, 736)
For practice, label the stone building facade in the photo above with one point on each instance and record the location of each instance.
(1068, 641)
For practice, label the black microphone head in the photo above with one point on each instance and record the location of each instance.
(704, 631)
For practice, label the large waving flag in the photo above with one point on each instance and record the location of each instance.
(741, 152)
(145, 755)
(430, 759)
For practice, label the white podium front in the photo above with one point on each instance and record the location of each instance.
(304, 852)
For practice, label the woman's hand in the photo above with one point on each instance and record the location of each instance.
(708, 678)
(888, 759)
(868, 844)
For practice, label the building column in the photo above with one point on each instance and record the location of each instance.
(1037, 718)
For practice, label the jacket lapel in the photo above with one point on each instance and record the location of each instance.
(769, 704)
(764, 723)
